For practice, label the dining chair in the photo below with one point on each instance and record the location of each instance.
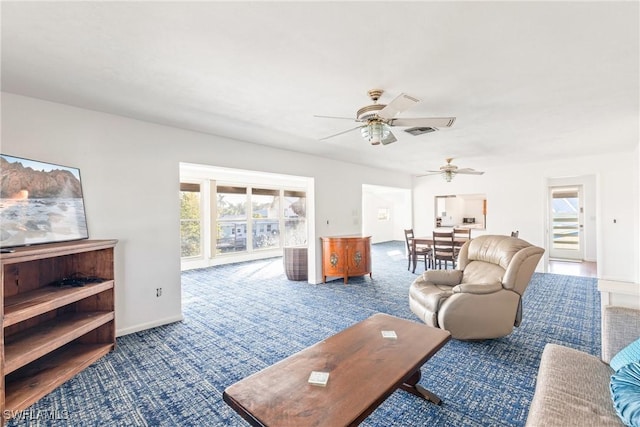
(464, 233)
(421, 250)
(460, 234)
(443, 249)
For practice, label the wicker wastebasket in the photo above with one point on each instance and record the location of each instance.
(295, 263)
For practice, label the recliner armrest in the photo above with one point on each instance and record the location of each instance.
(477, 288)
(443, 277)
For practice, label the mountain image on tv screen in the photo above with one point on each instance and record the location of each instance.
(39, 203)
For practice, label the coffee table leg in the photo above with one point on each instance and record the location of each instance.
(412, 386)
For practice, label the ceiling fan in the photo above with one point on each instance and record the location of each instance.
(448, 171)
(377, 119)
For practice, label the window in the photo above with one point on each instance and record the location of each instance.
(383, 214)
(190, 220)
(295, 218)
(265, 209)
(231, 220)
(243, 219)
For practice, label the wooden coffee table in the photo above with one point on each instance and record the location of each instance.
(364, 369)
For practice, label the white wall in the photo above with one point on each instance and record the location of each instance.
(130, 176)
(517, 200)
(636, 204)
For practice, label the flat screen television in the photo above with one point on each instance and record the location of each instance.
(39, 203)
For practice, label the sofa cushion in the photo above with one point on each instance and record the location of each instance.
(629, 354)
(625, 392)
(572, 389)
(482, 272)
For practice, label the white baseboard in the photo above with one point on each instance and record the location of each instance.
(149, 325)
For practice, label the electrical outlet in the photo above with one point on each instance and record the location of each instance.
(158, 292)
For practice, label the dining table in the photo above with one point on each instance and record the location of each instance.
(428, 241)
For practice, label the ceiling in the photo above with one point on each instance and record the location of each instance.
(527, 81)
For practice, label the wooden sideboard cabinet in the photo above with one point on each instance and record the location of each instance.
(52, 331)
(345, 256)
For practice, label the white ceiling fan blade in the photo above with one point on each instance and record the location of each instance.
(334, 117)
(469, 171)
(398, 105)
(340, 133)
(430, 173)
(436, 122)
(389, 139)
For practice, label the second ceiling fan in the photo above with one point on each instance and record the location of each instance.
(449, 170)
(377, 119)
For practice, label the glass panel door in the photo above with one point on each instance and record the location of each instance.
(566, 223)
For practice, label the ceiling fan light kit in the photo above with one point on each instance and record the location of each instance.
(448, 175)
(375, 132)
(378, 119)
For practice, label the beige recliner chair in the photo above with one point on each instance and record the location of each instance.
(483, 297)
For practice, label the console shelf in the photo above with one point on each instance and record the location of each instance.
(30, 304)
(46, 374)
(52, 333)
(32, 343)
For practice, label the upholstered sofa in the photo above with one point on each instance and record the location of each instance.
(572, 387)
(482, 299)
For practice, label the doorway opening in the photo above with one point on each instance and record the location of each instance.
(386, 212)
(235, 215)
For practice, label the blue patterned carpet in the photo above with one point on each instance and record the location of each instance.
(244, 317)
